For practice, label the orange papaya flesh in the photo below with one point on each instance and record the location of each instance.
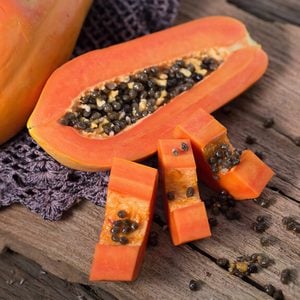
(123, 238)
(242, 66)
(242, 174)
(35, 38)
(185, 211)
(115, 263)
(190, 223)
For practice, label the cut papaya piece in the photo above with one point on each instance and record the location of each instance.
(242, 174)
(129, 208)
(120, 100)
(186, 212)
(35, 38)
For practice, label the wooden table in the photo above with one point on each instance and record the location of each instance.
(65, 248)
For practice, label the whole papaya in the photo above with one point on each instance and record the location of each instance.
(36, 37)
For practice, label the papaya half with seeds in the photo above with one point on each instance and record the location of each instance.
(35, 38)
(118, 101)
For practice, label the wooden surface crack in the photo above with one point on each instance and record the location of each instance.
(279, 191)
(98, 293)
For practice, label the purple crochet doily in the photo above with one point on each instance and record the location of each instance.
(31, 177)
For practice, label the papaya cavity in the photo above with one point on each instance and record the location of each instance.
(112, 106)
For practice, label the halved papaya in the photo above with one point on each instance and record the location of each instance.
(120, 100)
(129, 208)
(241, 173)
(185, 211)
(35, 38)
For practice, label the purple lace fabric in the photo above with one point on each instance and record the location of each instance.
(114, 21)
(31, 177)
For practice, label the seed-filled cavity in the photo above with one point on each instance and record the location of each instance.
(110, 107)
(223, 159)
(122, 227)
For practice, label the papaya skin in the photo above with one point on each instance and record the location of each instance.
(245, 64)
(36, 37)
(244, 181)
(113, 261)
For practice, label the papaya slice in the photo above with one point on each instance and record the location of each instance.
(129, 208)
(241, 173)
(120, 100)
(35, 38)
(185, 211)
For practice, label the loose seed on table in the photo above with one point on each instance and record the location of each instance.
(252, 268)
(250, 140)
(286, 276)
(212, 221)
(264, 261)
(260, 227)
(269, 289)
(291, 224)
(194, 285)
(266, 241)
(263, 202)
(223, 262)
(268, 122)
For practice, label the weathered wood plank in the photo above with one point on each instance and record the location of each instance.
(66, 250)
(275, 10)
(21, 278)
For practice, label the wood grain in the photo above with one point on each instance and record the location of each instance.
(23, 279)
(65, 248)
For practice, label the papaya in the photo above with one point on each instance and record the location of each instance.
(186, 213)
(129, 209)
(241, 173)
(120, 100)
(35, 38)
